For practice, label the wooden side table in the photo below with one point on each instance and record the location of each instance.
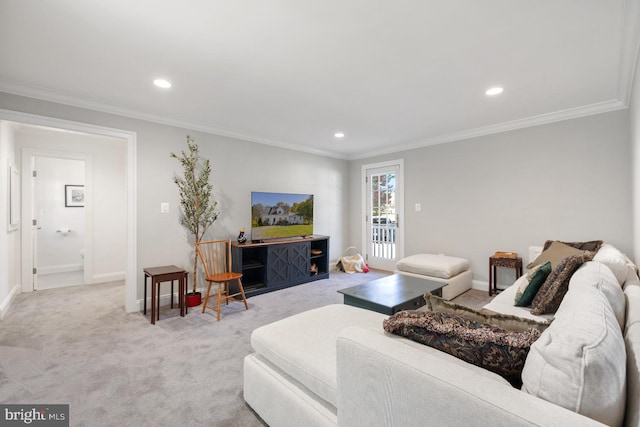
(158, 275)
(515, 263)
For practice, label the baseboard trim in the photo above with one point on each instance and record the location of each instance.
(109, 277)
(480, 285)
(6, 304)
(164, 298)
(60, 269)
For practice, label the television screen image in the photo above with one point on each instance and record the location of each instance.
(281, 215)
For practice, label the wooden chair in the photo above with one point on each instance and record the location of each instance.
(216, 260)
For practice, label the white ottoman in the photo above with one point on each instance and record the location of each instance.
(440, 268)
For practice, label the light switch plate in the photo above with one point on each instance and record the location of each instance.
(164, 207)
(418, 207)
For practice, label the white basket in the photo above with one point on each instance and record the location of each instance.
(351, 250)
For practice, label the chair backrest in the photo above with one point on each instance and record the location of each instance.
(215, 256)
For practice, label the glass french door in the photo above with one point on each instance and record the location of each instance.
(383, 215)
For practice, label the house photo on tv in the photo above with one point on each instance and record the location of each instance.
(281, 215)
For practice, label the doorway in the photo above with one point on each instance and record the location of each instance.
(59, 213)
(129, 141)
(383, 214)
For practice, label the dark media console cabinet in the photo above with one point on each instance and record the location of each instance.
(273, 265)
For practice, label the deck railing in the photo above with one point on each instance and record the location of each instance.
(383, 241)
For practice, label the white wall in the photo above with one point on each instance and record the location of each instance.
(58, 251)
(239, 167)
(569, 180)
(9, 241)
(108, 192)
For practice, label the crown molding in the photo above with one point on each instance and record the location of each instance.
(61, 98)
(629, 52)
(45, 94)
(542, 119)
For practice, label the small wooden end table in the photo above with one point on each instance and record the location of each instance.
(158, 275)
(515, 263)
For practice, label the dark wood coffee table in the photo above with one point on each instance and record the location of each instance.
(391, 294)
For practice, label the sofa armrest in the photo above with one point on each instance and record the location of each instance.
(385, 381)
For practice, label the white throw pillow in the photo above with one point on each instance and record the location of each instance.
(579, 362)
(522, 283)
(598, 275)
(610, 256)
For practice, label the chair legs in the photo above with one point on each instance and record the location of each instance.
(223, 294)
(244, 299)
(206, 298)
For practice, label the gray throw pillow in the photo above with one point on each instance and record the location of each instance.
(550, 295)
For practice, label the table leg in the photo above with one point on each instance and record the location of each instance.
(158, 296)
(495, 280)
(172, 294)
(181, 296)
(153, 301)
(490, 279)
(186, 286)
(144, 304)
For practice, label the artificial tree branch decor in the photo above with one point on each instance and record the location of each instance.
(198, 207)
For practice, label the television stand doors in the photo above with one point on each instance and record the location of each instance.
(270, 266)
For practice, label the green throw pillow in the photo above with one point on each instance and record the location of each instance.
(534, 285)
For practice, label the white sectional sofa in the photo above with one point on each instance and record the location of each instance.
(336, 366)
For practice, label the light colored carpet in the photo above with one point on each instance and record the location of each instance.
(78, 346)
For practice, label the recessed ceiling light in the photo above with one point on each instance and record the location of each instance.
(494, 91)
(164, 84)
(339, 135)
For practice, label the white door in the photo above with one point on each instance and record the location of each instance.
(383, 214)
(60, 217)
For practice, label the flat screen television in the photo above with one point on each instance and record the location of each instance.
(280, 215)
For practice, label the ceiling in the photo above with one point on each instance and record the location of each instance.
(391, 75)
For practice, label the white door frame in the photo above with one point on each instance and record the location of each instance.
(399, 203)
(131, 304)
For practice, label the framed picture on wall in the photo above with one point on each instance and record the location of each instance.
(74, 196)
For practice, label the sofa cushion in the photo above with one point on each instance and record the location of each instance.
(632, 345)
(555, 253)
(528, 290)
(505, 321)
(579, 362)
(550, 295)
(598, 275)
(632, 342)
(493, 348)
(632, 298)
(304, 345)
(610, 256)
(632, 278)
(433, 265)
(592, 245)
